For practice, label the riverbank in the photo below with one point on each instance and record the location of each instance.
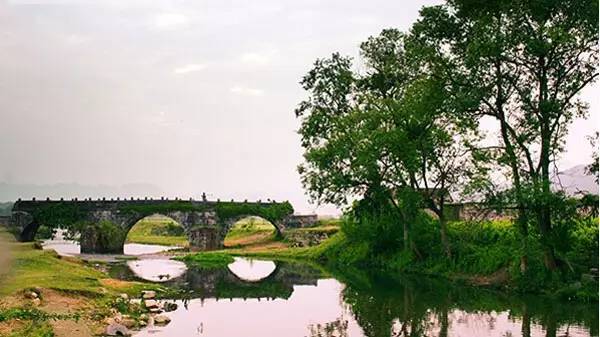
(486, 254)
(44, 294)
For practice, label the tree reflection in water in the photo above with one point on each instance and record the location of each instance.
(412, 306)
(337, 328)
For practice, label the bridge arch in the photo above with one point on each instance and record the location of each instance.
(157, 229)
(259, 229)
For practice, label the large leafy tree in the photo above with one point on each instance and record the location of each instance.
(392, 135)
(525, 62)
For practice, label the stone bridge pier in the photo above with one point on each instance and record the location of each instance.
(103, 224)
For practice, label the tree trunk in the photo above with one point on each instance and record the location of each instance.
(522, 224)
(544, 209)
(405, 237)
(444, 236)
(521, 216)
(526, 322)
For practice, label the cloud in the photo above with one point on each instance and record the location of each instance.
(170, 20)
(246, 91)
(75, 39)
(189, 68)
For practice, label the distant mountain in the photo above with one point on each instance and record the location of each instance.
(575, 181)
(5, 208)
(11, 192)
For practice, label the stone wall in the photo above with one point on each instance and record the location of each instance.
(300, 221)
(307, 238)
(477, 212)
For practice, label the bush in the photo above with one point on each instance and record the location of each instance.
(583, 252)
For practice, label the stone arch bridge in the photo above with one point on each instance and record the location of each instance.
(104, 224)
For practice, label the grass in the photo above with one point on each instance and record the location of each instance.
(249, 231)
(328, 229)
(158, 230)
(44, 269)
(33, 329)
(207, 260)
(36, 268)
(65, 284)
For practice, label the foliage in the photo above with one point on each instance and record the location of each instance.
(146, 209)
(393, 135)
(108, 237)
(593, 167)
(32, 314)
(272, 212)
(583, 251)
(525, 64)
(225, 210)
(484, 252)
(58, 214)
(44, 233)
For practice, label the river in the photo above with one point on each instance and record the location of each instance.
(268, 298)
(64, 246)
(271, 298)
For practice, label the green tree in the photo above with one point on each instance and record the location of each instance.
(592, 168)
(525, 62)
(393, 135)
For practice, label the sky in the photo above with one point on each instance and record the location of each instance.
(176, 98)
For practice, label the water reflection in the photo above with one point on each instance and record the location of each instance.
(67, 247)
(142, 248)
(251, 270)
(297, 300)
(157, 270)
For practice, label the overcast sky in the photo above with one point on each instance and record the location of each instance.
(188, 96)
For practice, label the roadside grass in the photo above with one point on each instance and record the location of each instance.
(158, 230)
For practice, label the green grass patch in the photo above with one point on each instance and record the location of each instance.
(158, 230)
(207, 260)
(45, 269)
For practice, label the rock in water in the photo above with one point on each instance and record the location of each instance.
(148, 294)
(116, 329)
(170, 306)
(161, 320)
(150, 304)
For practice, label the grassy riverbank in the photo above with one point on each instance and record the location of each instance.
(484, 254)
(74, 297)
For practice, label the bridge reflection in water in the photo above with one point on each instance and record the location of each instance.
(244, 278)
(298, 300)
